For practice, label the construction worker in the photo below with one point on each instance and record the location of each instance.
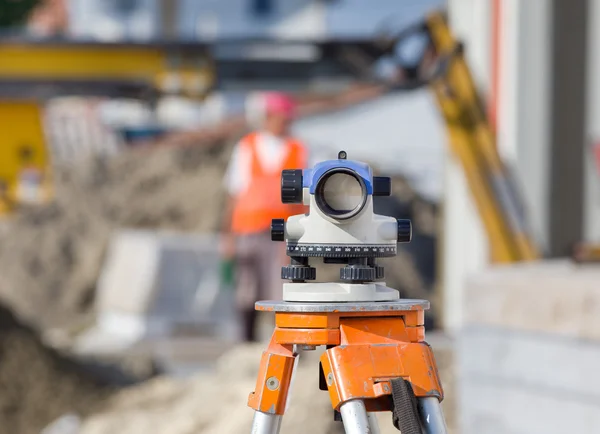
(253, 181)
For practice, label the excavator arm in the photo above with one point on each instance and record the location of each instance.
(473, 142)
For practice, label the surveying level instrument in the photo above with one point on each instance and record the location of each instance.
(376, 358)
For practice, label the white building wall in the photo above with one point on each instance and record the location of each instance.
(592, 165)
(465, 244)
(524, 105)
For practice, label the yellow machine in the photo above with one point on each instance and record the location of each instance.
(22, 150)
(31, 72)
(472, 140)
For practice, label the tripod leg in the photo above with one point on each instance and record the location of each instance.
(432, 417)
(355, 418)
(264, 423)
(373, 424)
(270, 395)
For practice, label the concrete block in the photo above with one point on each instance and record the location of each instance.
(155, 282)
(558, 297)
(529, 348)
(128, 279)
(519, 383)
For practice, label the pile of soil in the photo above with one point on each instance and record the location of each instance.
(37, 385)
(50, 256)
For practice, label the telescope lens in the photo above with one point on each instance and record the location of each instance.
(341, 194)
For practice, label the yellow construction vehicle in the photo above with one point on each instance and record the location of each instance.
(32, 72)
(22, 153)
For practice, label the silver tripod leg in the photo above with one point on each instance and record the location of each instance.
(264, 423)
(373, 424)
(432, 416)
(355, 418)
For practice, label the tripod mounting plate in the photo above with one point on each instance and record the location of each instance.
(370, 306)
(336, 292)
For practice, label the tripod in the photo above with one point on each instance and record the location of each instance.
(376, 360)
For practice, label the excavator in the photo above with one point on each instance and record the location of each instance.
(145, 70)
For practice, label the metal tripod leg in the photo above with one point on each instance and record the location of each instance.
(264, 423)
(355, 418)
(373, 424)
(432, 417)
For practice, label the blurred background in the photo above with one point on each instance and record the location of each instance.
(120, 158)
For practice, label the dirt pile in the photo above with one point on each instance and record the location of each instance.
(50, 256)
(37, 385)
(214, 403)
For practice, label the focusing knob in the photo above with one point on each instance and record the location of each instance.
(379, 272)
(361, 274)
(291, 272)
(291, 186)
(278, 230)
(404, 231)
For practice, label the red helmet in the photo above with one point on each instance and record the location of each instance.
(279, 103)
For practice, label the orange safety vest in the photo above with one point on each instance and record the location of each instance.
(255, 207)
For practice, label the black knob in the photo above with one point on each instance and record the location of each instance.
(291, 186)
(278, 230)
(404, 231)
(295, 272)
(382, 186)
(357, 274)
